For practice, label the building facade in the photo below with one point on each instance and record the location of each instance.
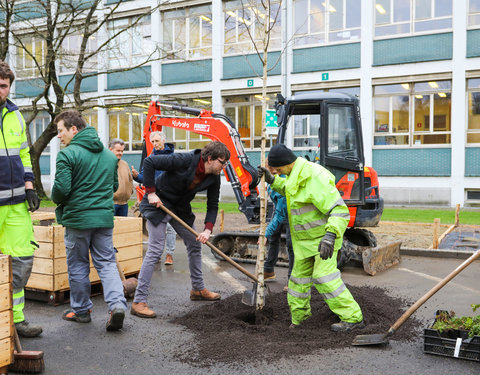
(413, 63)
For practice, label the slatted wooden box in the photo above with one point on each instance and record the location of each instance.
(6, 315)
(49, 272)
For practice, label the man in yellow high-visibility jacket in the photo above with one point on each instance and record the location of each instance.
(16, 197)
(318, 218)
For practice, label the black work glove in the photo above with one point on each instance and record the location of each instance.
(268, 176)
(32, 200)
(326, 245)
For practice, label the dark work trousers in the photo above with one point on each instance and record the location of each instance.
(274, 248)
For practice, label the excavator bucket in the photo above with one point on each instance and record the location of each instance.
(380, 258)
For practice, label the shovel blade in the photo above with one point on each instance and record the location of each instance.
(375, 339)
(381, 257)
(249, 297)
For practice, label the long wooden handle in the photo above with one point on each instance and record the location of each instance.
(119, 267)
(432, 291)
(16, 340)
(209, 244)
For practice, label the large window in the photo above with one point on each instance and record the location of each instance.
(306, 127)
(474, 13)
(326, 21)
(244, 20)
(473, 129)
(70, 51)
(127, 123)
(400, 17)
(187, 33)
(38, 125)
(412, 114)
(246, 113)
(31, 56)
(130, 42)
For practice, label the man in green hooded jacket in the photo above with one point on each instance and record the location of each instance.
(318, 218)
(85, 180)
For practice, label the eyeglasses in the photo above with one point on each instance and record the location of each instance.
(223, 162)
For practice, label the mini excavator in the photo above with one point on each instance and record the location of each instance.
(340, 150)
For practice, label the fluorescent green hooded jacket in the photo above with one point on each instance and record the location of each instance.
(85, 180)
(314, 207)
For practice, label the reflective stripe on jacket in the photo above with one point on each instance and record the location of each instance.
(314, 206)
(15, 164)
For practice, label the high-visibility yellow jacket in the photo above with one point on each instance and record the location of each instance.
(15, 163)
(314, 207)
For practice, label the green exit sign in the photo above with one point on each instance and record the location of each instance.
(324, 76)
(250, 83)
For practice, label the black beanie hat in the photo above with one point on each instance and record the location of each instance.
(280, 155)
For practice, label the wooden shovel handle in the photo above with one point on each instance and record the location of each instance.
(209, 244)
(432, 291)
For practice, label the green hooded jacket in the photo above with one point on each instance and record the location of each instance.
(314, 207)
(85, 180)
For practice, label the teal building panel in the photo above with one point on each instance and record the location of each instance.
(28, 10)
(430, 162)
(413, 49)
(250, 66)
(342, 56)
(186, 72)
(254, 157)
(45, 164)
(473, 43)
(127, 79)
(133, 159)
(472, 162)
(2, 17)
(89, 83)
(29, 87)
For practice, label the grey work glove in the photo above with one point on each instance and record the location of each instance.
(32, 200)
(326, 245)
(268, 176)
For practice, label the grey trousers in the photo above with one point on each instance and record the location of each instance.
(156, 242)
(171, 240)
(99, 241)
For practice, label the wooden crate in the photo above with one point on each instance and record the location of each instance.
(6, 314)
(49, 272)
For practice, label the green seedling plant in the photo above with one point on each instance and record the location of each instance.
(446, 321)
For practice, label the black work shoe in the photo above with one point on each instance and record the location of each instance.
(25, 329)
(116, 320)
(346, 327)
(72, 316)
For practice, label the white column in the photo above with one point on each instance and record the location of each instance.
(217, 55)
(287, 59)
(366, 91)
(458, 119)
(102, 66)
(157, 33)
(54, 148)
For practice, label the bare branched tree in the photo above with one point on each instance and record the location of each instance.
(63, 36)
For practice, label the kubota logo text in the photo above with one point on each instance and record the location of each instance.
(180, 124)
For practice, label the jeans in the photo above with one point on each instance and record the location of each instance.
(274, 248)
(121, 209)
(171, 239)
(156, 243)
(78, 242)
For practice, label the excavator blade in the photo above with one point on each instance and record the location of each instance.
(380, 258)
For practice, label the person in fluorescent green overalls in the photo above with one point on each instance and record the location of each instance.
(318, 218)
(17, 196)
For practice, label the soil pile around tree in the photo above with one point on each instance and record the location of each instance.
(229, 331)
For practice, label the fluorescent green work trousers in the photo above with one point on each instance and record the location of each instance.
(326, 277)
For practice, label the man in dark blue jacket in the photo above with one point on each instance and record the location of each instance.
(185, 175)
(160, 148)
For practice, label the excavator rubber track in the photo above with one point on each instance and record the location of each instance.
(359, 246)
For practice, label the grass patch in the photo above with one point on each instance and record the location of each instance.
(229, 208)
(425, 215)
(47, 203)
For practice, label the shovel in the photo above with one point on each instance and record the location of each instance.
(130, 284)
(382, 338)
(249, 296)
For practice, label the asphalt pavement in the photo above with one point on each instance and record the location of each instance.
(149, 346)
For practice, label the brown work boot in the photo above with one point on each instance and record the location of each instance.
(269, 275)
(204, 295)
(142, 310)
(169, 260)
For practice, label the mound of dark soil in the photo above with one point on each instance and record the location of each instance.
(229, 331)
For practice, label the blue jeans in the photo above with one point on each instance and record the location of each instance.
(156, 243)
(121, 209)
(171, 240)
(78, 242)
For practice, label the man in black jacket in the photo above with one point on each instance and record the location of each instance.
(185, 175)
